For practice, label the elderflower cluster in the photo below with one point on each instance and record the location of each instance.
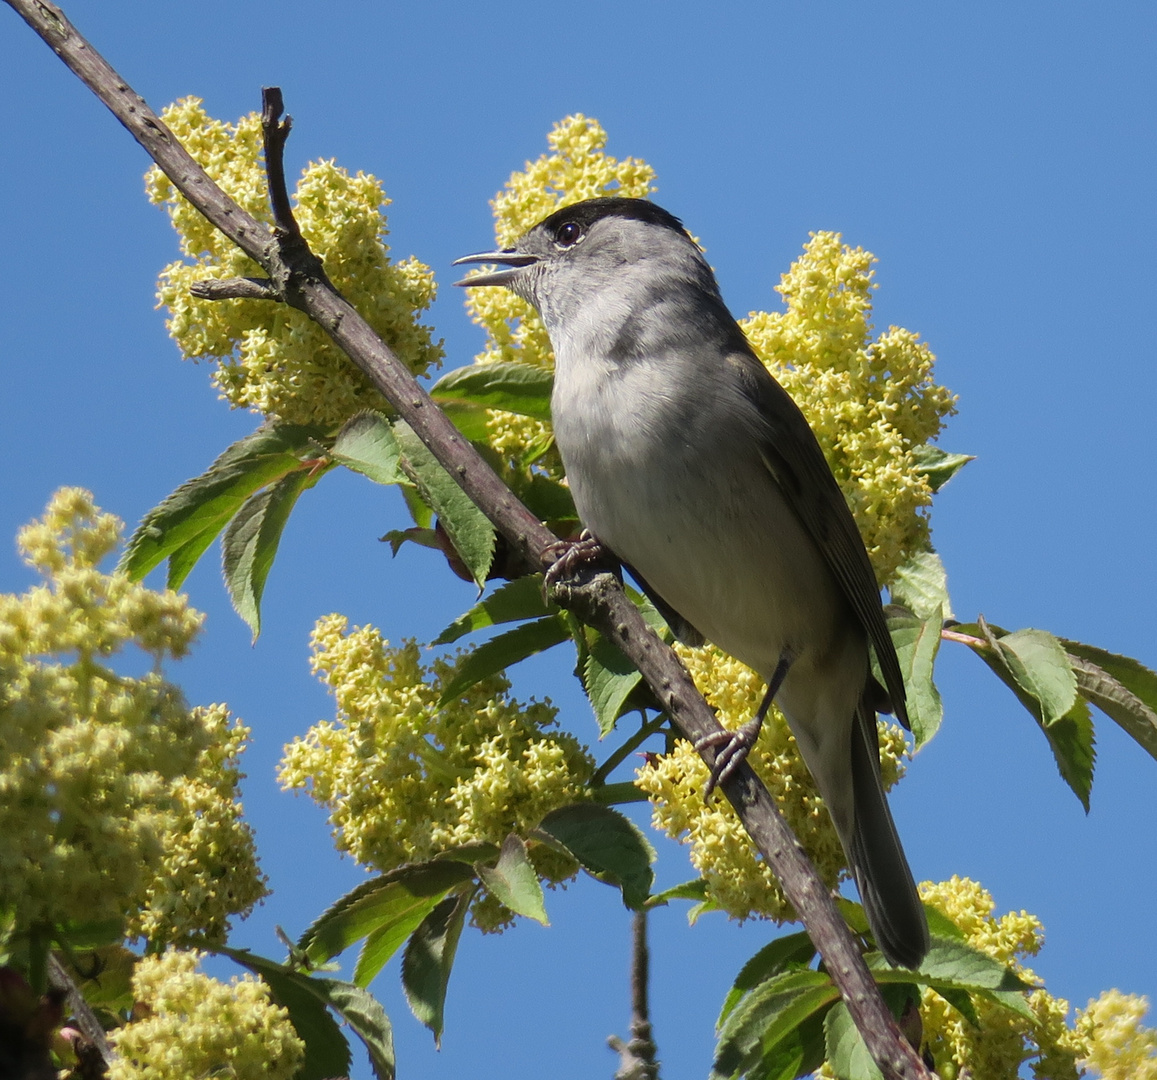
(870, 401)
(721, 850)
(577, 168)
(117, 800)
(404, 780)
(194, 1026)
(1117, 1045)
(271, 358)
(1002, 1041)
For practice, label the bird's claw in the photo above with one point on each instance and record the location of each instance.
(734, 748)
(564, 557)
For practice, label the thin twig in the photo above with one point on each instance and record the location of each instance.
(598, 599)
(234, 288)
(637, 1055)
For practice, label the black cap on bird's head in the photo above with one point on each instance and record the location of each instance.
(564, 229)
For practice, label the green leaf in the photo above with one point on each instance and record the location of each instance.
(938, 466)
(800, 1053)
(397, 901)
(193, 515)
(1037, 669)
(917, 643)
(921, 586)
(608, 678)
(500, 652)
(513, 882)
(790, 952)
(366, 444)
(954, 964)
(847, 1054)
(250, 543)
(695, 889)
(513, 602)
(1072, 742)
(468, 528)
(1123, 689)
(1031, 663)
(364, 1013)
(768, 1016)
(511, 387)
(607, 845)
(429, 957)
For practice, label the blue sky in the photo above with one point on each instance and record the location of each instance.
(998, 159)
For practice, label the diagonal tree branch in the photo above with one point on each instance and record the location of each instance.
(297, 277)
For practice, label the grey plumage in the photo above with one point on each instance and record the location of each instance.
(695, 468)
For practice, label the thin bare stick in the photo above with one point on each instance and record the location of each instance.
(297, 277)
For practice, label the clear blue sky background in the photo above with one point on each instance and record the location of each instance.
(999, 160)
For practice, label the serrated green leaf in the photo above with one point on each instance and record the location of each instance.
(607, 845)
(513, 602)
(951, 963)
(250, 543)
(500, 652)
(182, 561)
(766, 1017)
(790, 952)
(513, 882)
(327, 1054)
(1073, 744)
(192, 516)
(1121, 687)
(921, 586)
(468, 528)
(800, 1053)
(366, 444)
(365, 1015)
(695, 889)
(1013, 1000)
(938, 466)
(429, 958)
(511, 387)
(847, 1054)
(608, 678)
(1033, 664)
(1040, 671)
(917, 643)
(400, 898)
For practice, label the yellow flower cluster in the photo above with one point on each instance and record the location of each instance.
(1118, 1045)
(194, 1026)
(871, 402)
(1003, 1041)
(577, 168)
(721, 850)
(404, 780)
(117, 800)
(271, 358)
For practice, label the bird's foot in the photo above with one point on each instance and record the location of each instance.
(564, 557)
(733, 748)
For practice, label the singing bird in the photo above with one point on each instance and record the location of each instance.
(697, 470)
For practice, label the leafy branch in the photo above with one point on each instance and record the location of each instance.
(297, 278)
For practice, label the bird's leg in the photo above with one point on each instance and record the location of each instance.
(736, 745)
(564, 557)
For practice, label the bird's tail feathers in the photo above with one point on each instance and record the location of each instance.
(878, 864)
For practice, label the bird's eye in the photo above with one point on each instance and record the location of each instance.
(568, 234)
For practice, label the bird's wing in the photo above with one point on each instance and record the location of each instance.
(794, 458)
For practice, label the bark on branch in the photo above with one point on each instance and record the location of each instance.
(296, 277)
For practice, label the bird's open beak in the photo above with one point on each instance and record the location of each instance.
(511, 259)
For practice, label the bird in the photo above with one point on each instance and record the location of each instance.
(698, 472)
